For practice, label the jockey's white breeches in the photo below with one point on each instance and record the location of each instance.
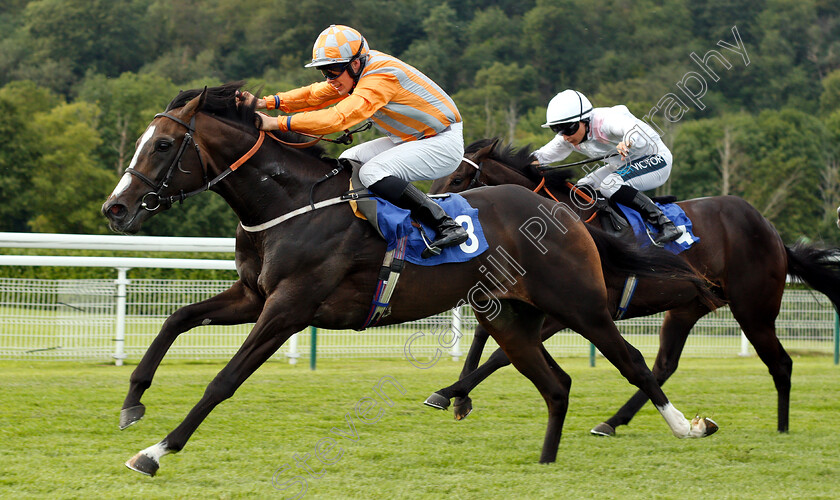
(424, 159)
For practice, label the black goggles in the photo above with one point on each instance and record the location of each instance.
(333, 71)
(568, 128)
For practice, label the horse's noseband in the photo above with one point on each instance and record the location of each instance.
(154, 196)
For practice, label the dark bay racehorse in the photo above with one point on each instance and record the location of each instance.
(739, 251)
(320, 268)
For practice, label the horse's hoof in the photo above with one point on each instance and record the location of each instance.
(143, 464)
(603, 429)
(130, 416)
(711, 426)
(462, 408)
(437, 401)
(702, 427)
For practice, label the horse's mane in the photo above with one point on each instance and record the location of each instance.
(221, 103)
(519, 160)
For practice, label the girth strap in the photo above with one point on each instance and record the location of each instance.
(389, 274)
(626, 296)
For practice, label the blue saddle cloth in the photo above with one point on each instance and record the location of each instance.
(677, 216)
(395, 222)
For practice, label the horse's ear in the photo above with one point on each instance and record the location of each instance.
(486, 150)
(192, 107)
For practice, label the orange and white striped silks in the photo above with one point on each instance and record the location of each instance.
(401, 101)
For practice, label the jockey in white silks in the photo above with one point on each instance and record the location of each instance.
(641, 161)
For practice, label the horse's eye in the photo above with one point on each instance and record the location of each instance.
(163, 145)
(456, 181)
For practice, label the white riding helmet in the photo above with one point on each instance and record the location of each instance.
(567, 106)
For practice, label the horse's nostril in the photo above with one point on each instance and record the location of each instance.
(116, 211)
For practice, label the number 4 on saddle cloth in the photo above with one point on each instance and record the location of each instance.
(677, 216)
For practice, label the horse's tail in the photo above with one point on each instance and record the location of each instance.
(819, 268)
(621, 256)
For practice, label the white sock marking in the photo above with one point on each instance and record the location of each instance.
(679, 425)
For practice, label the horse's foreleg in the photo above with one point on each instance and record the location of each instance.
(460, 389)
(440, 399)
(236, 305)
(471, 376)
(463, 403)
(672, 337)
(272, 329)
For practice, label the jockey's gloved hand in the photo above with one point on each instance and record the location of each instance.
(265, 122)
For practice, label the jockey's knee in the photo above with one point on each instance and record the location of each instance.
(610, 185)
(369, 174)
(351, 154)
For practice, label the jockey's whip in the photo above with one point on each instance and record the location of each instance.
(550, 167)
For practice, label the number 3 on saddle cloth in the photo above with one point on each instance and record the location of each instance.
(677, 216)
(405, 242)
(395, 223)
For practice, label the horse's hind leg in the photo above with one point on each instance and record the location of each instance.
(516, 330)
(234, 306)
(760, 329)
(672, 336)
(597, 327)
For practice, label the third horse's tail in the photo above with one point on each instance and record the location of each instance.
(819, 268)
(622, 256)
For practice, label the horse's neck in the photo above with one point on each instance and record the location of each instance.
(560, 194)
(509, 175)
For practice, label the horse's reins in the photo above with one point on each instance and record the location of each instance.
(541, 186)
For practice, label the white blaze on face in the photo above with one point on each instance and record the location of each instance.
(126, 178)
(122, 185)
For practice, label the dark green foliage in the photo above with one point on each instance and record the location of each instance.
(80, 80)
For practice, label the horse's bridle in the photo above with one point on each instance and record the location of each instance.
(167, 201)
(477, 166)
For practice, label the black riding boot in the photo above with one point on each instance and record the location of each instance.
(652, 214)
(406, 195)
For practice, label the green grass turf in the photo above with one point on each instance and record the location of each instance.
(59, 435)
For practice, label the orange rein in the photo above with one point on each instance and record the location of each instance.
(573, 188)
(298, 145)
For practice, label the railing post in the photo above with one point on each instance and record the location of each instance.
(745, 345)
(293, 350)
(313, 347)
(836, 339)
(591, 354)
(455, 352)
(119, 337)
